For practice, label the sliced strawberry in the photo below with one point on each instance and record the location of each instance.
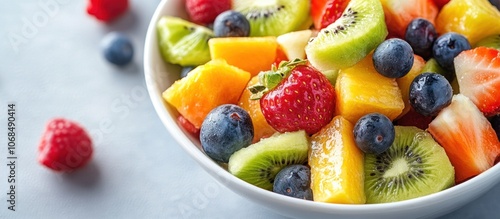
(325, 12)
(467, 137)
(398, 14)
(478, 74)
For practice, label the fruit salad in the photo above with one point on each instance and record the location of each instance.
(340, 101)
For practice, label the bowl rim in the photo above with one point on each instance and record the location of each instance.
(492, 175)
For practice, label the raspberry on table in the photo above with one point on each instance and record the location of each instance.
(65, 146)
(107, 10)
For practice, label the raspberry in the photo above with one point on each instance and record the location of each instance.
(205, 11)
(107, 10)
(65, 146)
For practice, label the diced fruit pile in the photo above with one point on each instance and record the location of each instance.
(340, 101)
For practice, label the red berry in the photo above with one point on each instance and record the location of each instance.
(188, 126)
(303, 100)
(107, 10)
(65, 146)
(205, 11)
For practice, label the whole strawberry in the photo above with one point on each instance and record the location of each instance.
(204, 11)
(65, 146)
(294, 97)
(107, 10)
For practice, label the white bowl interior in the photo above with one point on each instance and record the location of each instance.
(160, 75)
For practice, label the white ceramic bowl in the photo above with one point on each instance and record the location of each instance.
(160, 75)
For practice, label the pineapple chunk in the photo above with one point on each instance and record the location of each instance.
(337, 166)
(361, 90)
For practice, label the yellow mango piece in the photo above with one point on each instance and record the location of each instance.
(361, 90)
(252, 54)
(206, 87)
(475, 19)
(337, 164)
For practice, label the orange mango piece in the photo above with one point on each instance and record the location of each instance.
(252, 54)
(262, 129)
(206, 87)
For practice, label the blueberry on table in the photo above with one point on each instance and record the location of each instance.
(225, 130)
(429, 93)
(117, 48)
(294, 181)
(421, 34)
(393, 58)
(374, 133)
(447, 47)
(231, 24)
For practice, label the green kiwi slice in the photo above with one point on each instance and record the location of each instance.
(182, 42)
(359, 30)
(432, 66)
(415, 165)
(491, 41)
(259, 163)
(274, 17)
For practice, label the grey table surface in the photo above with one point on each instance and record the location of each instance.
(51, 66)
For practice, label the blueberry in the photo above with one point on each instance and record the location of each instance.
(421, 34)
(117, 48)
(225, 130)
(374, 133)
(393, 58)
(495, 123)
(429, 93)
(294, 181)
(447, 47)
(185, 70)
(231, 24)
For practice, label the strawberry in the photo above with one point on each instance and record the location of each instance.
(107, 10)
(467, 137)
(205, 11)
(325, 12)
(398, 14)
(294, 97)
(478, 74)
(65, 146)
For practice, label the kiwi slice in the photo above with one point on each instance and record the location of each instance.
(359, 30)
(415, 165)
(432, 66)
(259, 163)
(491, 41)
(182, 42)
(274, 17)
